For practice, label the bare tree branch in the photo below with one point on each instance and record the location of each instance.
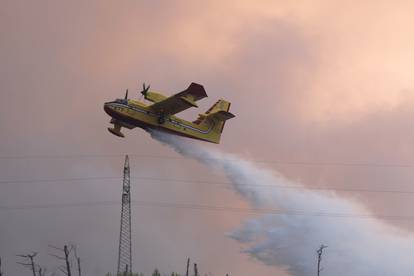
(77, 260)
(23, 264)
(66, 251)
(54, 247)
(63, 270)
(57, 257)
(320, 252)
(32, 264)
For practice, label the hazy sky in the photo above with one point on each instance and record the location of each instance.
(327, 82)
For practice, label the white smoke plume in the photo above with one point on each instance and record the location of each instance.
(358, 244)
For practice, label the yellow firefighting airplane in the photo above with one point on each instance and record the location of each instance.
(160, 115)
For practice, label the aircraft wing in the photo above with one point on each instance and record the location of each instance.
(180, 101)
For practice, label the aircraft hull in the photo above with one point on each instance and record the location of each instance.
(135, 114)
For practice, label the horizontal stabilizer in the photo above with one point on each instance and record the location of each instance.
(220, 115)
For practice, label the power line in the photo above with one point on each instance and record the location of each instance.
(66, 156)
(68, 179)
(229, 184)
(216, 183)
(201, 207)
(279, 162)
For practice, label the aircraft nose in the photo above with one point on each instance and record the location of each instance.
(108, 107)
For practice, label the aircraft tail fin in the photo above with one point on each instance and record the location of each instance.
(216, 117)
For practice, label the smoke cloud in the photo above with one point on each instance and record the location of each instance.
(358, 244)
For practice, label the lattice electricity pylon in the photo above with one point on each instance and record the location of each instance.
(125, 251)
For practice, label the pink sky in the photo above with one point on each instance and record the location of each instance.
(313, 81)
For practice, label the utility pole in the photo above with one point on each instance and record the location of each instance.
(188, 266)
(125, 248)
(319, 252)
(126, 270)
(195, 270)
(31, 263)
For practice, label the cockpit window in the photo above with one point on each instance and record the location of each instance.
(122, 101)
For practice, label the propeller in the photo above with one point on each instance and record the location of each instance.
(145, 89)
(126, 94)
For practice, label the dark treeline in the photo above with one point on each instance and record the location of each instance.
(70, 264)
(155, 273)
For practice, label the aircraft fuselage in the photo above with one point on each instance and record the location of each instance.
(131, 113)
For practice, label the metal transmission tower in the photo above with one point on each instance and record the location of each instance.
(125, 251)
